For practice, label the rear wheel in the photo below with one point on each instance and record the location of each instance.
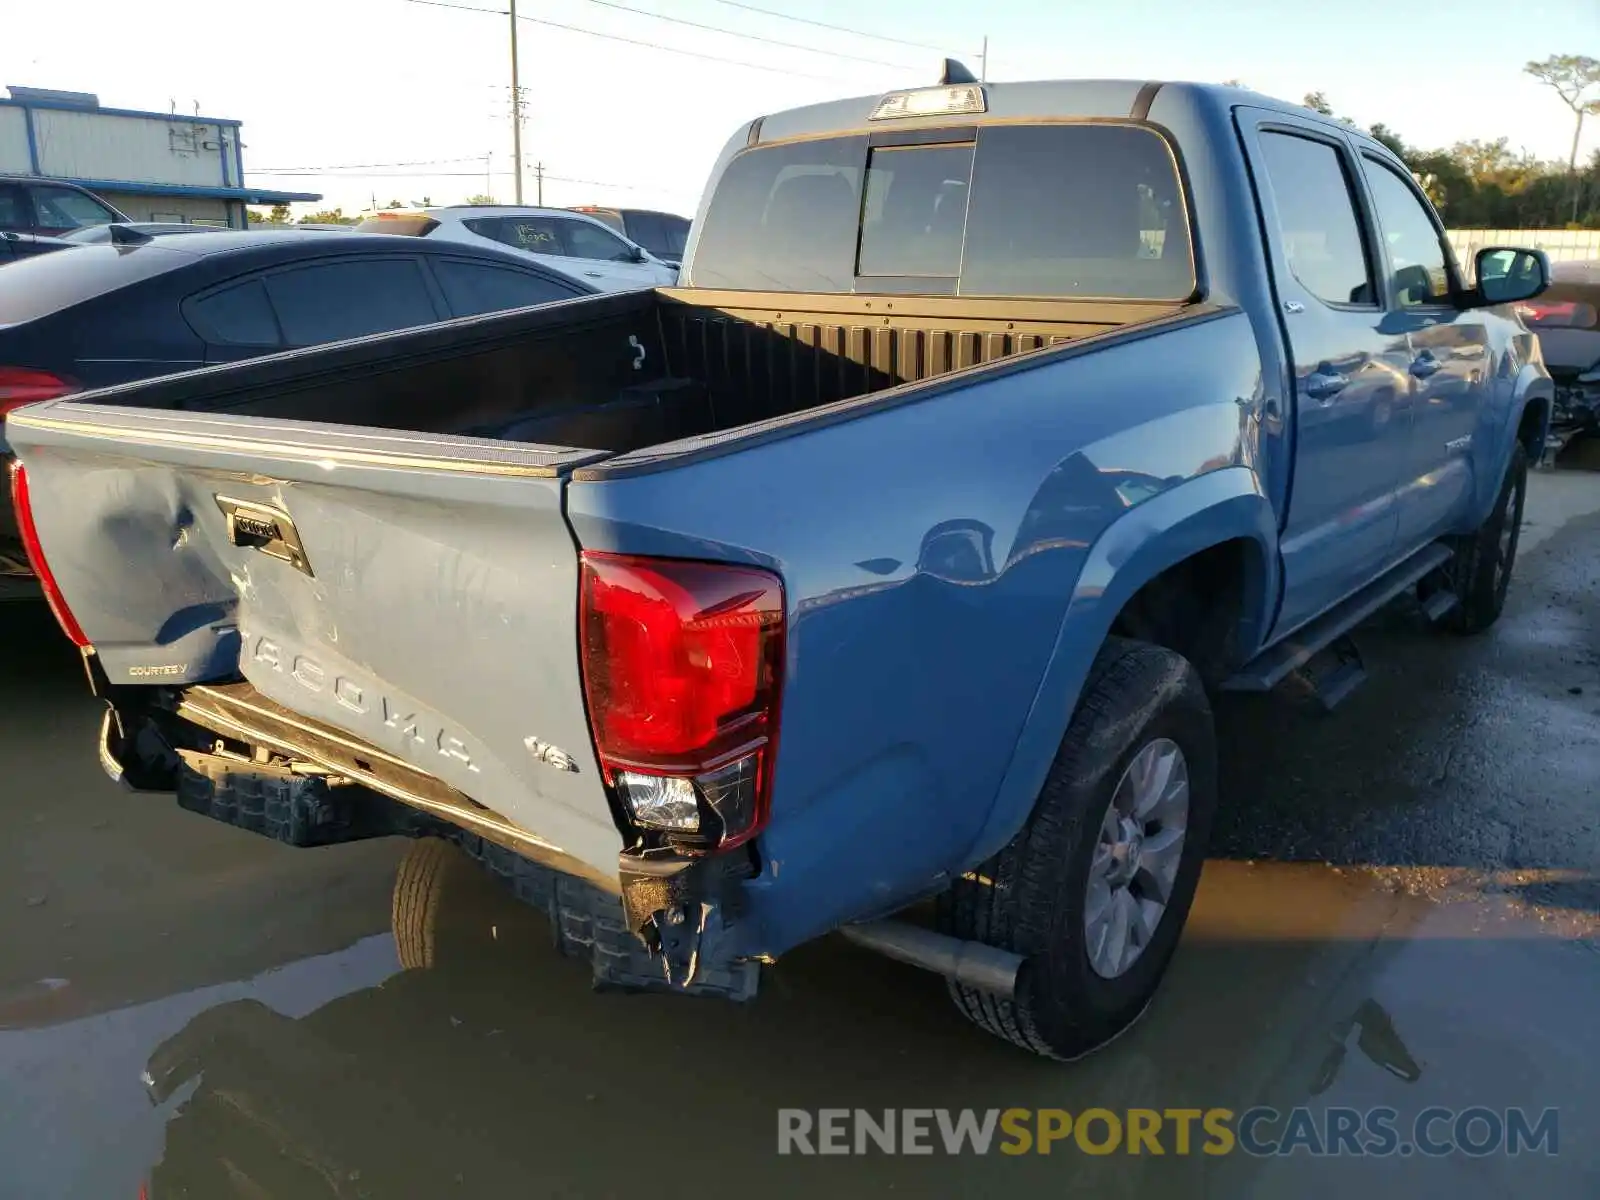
(430, 878)
(1095, 889)
(1480, 572)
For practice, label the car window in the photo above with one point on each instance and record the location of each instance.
(648, 230)
(541, 235)
(584, 240)
(1317, 224)
(675, 235)
(471, 287)
(916, 209)
(13, 208)
(67, 208)
(329, 302)
(240, 315)
(1412, 244)
(1023, 210)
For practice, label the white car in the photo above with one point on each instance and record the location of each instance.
(579, 246)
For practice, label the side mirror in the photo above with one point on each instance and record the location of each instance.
(1507, 274)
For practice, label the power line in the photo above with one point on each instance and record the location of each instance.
(752, 37)
(614, 37)
(422, 162)
(334, 173)
(340, 172)
(783, 16)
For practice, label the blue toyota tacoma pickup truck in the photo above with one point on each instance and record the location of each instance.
(899, 555)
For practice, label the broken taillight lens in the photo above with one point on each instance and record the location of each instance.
(682, 666)
(22, 504)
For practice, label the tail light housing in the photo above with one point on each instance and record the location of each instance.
(682, 670)
(25, 385)
(22, 504)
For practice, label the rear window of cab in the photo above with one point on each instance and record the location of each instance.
(1059, 210)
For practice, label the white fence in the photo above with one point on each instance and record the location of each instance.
(1562, 245)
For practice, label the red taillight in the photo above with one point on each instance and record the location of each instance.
(682, 664)
(24, 385)
(23, 507)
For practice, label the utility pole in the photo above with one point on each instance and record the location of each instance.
(538, 175)
(516, 109)
(983, 62)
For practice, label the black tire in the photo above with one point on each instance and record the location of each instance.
(426, 881)
(1480, 572)
(1031, 897)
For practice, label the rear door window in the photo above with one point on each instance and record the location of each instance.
(1026, 210)
(332, 301)
(471, 288)
(1317, 224)
(540, 235)
(237, 315)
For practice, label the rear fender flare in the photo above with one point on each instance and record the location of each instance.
(1217, 507)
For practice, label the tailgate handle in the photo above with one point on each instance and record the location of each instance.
(264, 528)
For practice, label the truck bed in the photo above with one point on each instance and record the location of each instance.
(622, 372)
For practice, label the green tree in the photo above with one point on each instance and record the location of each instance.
(279, 215)
(1572, 76)
(328, 216)
(480, 198)
(394, 204)
(1318, 103)
(254, 217)
(1383, 134)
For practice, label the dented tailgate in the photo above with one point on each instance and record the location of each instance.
(417, 591)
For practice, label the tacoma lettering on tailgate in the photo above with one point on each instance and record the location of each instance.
(358, 698)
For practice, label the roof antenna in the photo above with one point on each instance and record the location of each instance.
(956, 72)
(122, 235)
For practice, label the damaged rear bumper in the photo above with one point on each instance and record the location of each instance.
(662, 920)
(665, 920)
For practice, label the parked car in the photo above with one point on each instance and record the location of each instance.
(1567, 320)
(663, 234)
(99, 315)
(15, 246)
(575, 245)
(50, 207)
(897, 555)
(94, 235)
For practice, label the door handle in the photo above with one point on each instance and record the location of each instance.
(1425, 364)
(1325, 385)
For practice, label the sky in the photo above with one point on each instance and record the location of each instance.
(365, 100)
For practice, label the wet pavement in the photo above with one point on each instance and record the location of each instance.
(1402, 909)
